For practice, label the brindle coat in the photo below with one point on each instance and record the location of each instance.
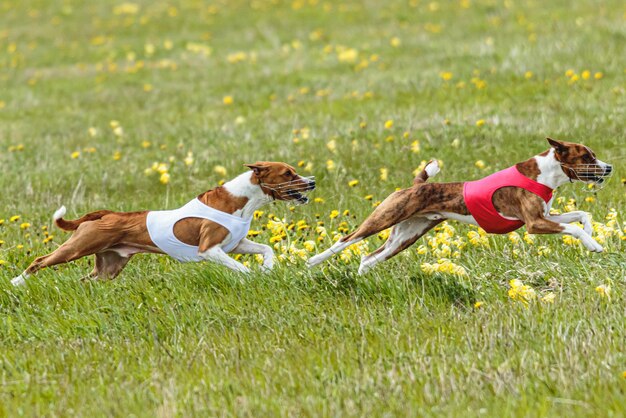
(414, 211)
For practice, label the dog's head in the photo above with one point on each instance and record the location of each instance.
(281, 182)
(578, 162)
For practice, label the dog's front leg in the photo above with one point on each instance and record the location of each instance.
(246, 246)
(545, 226)
(575, 216)
(217, 255)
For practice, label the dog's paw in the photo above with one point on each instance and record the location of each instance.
(592, 245)
(18, 281)
(313, 261)
(267, 268)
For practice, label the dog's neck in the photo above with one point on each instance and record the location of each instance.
(545, 169)
(243, 187)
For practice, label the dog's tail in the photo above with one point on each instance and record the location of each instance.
(73, 225)
(430, 170)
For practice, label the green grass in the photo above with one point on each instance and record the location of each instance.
(169, 339)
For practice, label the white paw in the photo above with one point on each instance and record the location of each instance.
(364, 268)
(592, 245)
(366, 265)
(313, 261)
(18, 281)
(244, 269)
(267, 268)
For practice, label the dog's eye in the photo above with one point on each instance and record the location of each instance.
(587, 158)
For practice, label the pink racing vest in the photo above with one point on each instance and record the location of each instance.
(478, 197)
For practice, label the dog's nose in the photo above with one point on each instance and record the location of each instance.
(608, 169)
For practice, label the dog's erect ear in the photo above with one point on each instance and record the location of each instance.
(257, 167)
(558, 146)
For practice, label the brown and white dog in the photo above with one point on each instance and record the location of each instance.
(114, 237)
(414, 211)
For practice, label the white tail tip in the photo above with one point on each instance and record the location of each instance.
(432, 168)
(59, 213)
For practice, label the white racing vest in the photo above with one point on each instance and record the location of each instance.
(161, 223)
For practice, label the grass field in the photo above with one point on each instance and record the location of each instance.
(145, 104)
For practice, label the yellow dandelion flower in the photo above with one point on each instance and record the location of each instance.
(333, 214)
(446, 75)
(75, 155)
(521, 292)
(353, 183)
(126, 9)
(318, 200)
(548, 297)
(331, 145)
(159, 167)
(389, 124)
(369, 197)
(604, 291)
(14, 218)
(24, 225)
(415, 147)
(220, 170)
(480, 122)
(384, 174)
(395, 42)
(478, 304)
(569, 73)
(348, 55)
(117, 155)
(92, 131)
(598, 75)
(363, 125)
(165, 178)
(585, 75)
(544, 251)
(145, 144)
(228, 100)
(569, 240)
(188, 160)
(480, 164)
(528, 75)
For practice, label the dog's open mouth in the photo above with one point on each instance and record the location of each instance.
(299, 197)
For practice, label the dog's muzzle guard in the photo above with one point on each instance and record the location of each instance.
(591, 174)
(296, 190)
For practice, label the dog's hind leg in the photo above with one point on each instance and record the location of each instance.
(391, 211)
(85, 241)
(402, 236)
(108, 265)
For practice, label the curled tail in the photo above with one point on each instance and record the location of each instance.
(73, 225)
(430, 170)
